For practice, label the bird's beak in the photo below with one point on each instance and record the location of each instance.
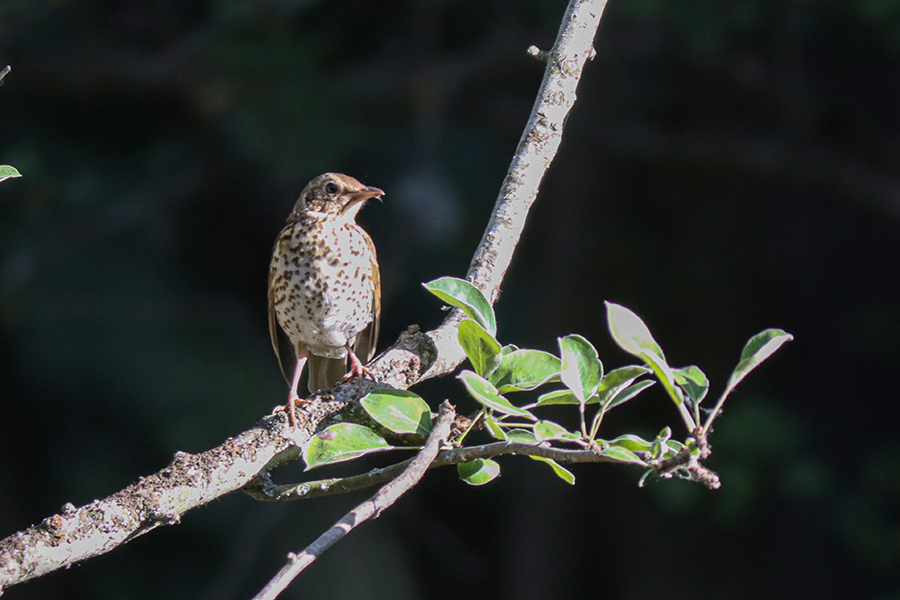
(365, 194)
(356, 199)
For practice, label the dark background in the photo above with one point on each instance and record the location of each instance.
(729, 166)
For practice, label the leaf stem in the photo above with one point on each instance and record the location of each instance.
(470, 427)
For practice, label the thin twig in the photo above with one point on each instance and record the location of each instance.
(344, 485)
(369, 509)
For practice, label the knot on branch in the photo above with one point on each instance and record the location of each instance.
(686, 465)
(404, 363)
(537, 53)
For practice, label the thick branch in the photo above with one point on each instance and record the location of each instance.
(367, 510)
(192, 480)
(189, 481)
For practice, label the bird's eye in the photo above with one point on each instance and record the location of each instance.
(331, 188)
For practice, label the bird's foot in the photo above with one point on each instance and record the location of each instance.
(292, 402)
(357, 369)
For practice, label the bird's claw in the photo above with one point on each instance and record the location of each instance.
(291, 411)
(357, 369)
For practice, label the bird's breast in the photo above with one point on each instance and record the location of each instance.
(323, 285)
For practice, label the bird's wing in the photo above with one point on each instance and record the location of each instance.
(366, 340)
(281, 343)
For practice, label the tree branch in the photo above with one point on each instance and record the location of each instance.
(342, 485)
(192, 480)
(367, 510)
(536, 150)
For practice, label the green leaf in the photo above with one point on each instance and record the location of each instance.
(494, 428)
(623, 455)
(557, 397)
(509, 349)
(760, 347)
(633, 336)
(523, 370)
(617, 380)
(581, 371)
(630, 332)
(340, 442)
(563, 473)
(660, 449)
(521, 436)
(479, 471)
(664, 435)
(693, 381)
(674, 448)
(664, 374)
(611, 384)
(631, 442)
(484, 392)
(480, 346)
(629, 393)
(7, 172)
(462, 294)
(398, 410)
(548, 430)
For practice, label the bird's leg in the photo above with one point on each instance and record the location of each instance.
(357, 369)
(293, 397)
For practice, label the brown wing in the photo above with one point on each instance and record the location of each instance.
(364, 346)
(281, 343)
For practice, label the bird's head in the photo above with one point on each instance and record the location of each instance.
(333, 196)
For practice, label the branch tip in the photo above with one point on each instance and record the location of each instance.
(538, 54)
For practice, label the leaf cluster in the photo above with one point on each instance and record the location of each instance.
(498, 372)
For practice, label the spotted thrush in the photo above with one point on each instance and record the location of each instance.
(324, 285)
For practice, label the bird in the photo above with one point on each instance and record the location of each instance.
(325, 286)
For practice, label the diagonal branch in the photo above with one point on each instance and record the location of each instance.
(369, 509)
(192, 480)
(536, 150)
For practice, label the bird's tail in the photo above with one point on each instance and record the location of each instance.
(325, 372)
